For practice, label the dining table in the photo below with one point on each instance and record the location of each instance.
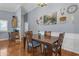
(43, 40)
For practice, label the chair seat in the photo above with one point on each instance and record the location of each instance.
(35, 44)
(55, 47)
(46, 46)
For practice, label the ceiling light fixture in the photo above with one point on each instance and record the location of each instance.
(42, 4)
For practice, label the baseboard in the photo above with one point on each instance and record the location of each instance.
(3, 39)
(68, 53)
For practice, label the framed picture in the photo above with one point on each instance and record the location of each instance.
(50, 19)
(63, 19)
(47, 19)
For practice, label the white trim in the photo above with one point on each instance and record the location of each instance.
(2, 39)
(71, 50)
(69, 42)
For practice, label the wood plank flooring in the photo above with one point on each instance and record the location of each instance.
(10, 48)
(15, 49)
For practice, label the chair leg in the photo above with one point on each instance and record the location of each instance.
(44, 51)
(28, 49)
(24, 41)
(50, 50)
(41, 49)
(32, 51)
(56, 54)
(59, 53)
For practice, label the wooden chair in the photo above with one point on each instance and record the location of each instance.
(47, 35)
(13, 36)
(31, 44)
(56, 47)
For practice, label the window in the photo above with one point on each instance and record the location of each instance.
(3, 26)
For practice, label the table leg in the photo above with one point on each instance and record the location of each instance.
(24, 41)
(50, 50)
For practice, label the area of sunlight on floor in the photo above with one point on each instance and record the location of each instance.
(3, 52)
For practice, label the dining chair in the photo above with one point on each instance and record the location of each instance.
(47, 36)
(13, 36)
(57, 45)
(31, 44)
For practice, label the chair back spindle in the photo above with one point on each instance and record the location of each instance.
(47, 34)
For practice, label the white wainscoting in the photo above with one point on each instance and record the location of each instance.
(70, 42)
(1, 39)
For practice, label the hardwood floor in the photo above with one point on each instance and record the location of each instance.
(10, 48)
(68, 53)
(15, 49)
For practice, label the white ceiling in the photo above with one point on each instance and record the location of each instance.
(12, 7)
(27, 7)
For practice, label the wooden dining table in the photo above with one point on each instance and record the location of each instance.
(43, 40)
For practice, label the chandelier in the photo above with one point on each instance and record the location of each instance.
(42, 4)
